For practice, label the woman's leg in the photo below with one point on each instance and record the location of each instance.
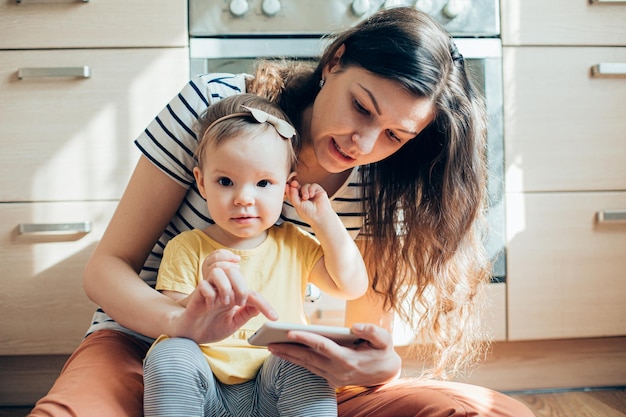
(103, 377)
(286, 389)
(416, 398)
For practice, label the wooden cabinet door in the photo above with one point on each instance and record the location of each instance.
(563, 22)
(566, 269)
(43, 308)
(95, 24)
(563, 128)
(71, 138)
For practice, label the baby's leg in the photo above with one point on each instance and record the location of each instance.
(177, 379)
(287, 389)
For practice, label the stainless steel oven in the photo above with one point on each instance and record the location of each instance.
(229, 35)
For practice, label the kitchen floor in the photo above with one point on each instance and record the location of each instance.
(572, 403)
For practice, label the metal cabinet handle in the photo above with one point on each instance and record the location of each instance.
(609, 70)
(612, 216)
(56, 228)
(607, 1)
(77, 72)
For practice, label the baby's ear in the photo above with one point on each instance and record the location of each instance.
(290, 178)
(199, 181)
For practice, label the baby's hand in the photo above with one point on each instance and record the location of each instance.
(221, 270)
(310, 201)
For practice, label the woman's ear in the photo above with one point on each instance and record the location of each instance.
(199, 181)
(334, 63)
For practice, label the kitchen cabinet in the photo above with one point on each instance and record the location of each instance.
(78, 81)
(44, 309)
(565, 173)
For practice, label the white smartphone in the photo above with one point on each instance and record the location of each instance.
(276, 332)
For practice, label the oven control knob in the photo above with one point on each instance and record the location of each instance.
(271, 7)
(424, 5)
(238, 7)
(360, 7)
(454, 8)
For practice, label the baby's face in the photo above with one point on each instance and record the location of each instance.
(243, 180)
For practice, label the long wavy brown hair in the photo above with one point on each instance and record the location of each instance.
(426, 203)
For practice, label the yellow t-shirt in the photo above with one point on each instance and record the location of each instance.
(278, 268)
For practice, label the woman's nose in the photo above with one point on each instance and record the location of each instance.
(364, 140)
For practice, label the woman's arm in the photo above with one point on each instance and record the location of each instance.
(111, 277)
(370, 307)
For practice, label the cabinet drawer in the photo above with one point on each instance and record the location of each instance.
(68, 138)
(563, 22)
(43, 308)
(566, 270)
(564, 129)
(80, 24)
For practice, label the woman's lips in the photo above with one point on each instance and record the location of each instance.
(340, 151)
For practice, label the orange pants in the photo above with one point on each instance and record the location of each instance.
(103, 378)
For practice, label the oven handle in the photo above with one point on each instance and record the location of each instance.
(221, 48)
(607, 1)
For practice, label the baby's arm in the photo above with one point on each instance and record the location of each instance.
(341, 271)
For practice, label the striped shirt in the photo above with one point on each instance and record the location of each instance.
(170, 142)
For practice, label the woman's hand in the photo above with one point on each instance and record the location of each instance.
(221, 303)
(372, 362)
(207, 319)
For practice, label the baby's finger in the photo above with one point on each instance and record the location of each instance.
(220, 282)
(294, 195)
(207, 291)
(305, 192)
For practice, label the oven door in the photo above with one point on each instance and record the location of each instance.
(482, 55)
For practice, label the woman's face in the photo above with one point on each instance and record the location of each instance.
(360, 118)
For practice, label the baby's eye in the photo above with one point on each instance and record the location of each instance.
(224, 181)
(263, 183)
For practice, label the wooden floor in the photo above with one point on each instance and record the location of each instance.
(573, 403)
(580, 403)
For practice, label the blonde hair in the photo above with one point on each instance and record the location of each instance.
(241, 121)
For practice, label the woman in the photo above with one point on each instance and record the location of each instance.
(394, 131)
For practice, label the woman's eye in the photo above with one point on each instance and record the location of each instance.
(224, 181)
(263, 183)
(393, 136)
(359, 107)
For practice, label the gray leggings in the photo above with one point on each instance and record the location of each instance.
(178, 382)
